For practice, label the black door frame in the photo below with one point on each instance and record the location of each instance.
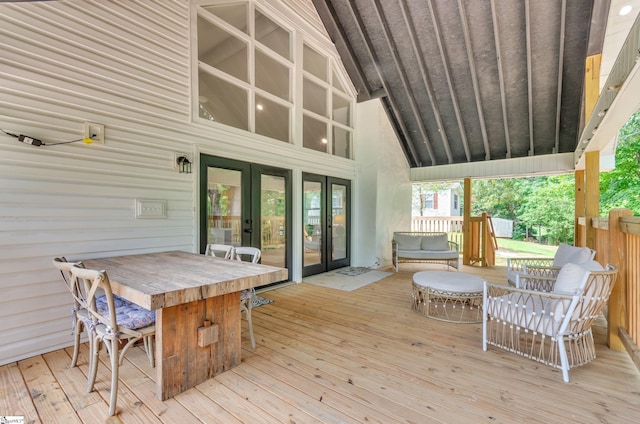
(327, 263)
(251, 195)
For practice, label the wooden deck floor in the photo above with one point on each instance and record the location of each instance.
(342, 357)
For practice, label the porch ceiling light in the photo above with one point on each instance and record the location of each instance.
(625, 10)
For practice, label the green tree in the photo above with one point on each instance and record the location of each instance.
(550, 206)
(620, 187)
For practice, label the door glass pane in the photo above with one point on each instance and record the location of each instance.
(222, 102)
(314, 63)
(312, 232)
(341, 142)
(234, 14)
(314, 134)
(272, 35)
(224, 206)
(338, 221)
(272, 119)
(273, 225)
(272, 76)
(341, 110)
(314, 97)
(223, 51)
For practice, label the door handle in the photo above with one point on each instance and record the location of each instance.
(248, 230)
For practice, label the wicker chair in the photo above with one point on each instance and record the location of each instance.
(547, 267)
(113, 321)
(219, 250)
(553, 328)
(248, 254)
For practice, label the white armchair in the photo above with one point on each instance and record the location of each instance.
(547, 267)
(554, 327)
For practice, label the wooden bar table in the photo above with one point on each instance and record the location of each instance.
(197, 304)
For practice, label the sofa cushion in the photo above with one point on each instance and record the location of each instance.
(566, 254)
(571, 279)
(408, 241)
(128, 314)
(435, 242)
(428, 254)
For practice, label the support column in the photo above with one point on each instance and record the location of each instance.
(591, 84)
(592, 195)
(578, 233)
(617, 310)
(466, 235)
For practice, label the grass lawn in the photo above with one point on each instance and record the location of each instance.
(508, 248)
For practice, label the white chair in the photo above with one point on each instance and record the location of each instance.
(113, 321)
(78, 313)
(554, 327)
(547, 267)
(219, 250)
(248, 254)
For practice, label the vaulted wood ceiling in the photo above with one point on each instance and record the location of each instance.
(471, 80)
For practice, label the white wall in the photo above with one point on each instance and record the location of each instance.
(383, 186)
(126, 65)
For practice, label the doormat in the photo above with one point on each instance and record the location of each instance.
(346, 282)
(259, 301)
(353, 271)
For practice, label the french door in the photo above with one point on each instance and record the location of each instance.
(245, 204)
(326, 216)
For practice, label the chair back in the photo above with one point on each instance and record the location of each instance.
(219, 250)
(248, 254)
(104, 308)
(593, 299)
(76, 290)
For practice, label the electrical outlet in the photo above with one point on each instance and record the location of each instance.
(95, 132)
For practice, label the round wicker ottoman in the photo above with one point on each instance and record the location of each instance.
(448, 296)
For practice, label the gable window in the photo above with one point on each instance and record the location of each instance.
(246, 79)
(326, 108)
(244, 69)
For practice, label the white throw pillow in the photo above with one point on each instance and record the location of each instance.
(407, 241)
(566, 254)
(435, 242)
(571, 279)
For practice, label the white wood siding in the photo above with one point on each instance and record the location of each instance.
(126, 65)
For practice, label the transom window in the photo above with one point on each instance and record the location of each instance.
(246, 79)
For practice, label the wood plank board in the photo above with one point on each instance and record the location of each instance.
(364, 356)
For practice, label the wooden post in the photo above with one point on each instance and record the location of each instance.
(592, 195)
(485, 239)
(617, 310)
(578, 236)
(466, 234)
(591, 84)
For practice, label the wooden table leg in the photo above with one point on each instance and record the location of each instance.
(180, 362)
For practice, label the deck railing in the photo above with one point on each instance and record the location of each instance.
(617, 241)
(452, 225)
(483, 241)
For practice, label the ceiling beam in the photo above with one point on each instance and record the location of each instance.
(527, 14)
(563, 23)
(447, 71)
(474, 79)
(409, 147)
(404, 80)
(417, 52)
(527, 166)
(503, 94)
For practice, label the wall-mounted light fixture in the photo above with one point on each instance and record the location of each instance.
(183, 164)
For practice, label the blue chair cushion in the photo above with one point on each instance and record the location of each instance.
(128, 314)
